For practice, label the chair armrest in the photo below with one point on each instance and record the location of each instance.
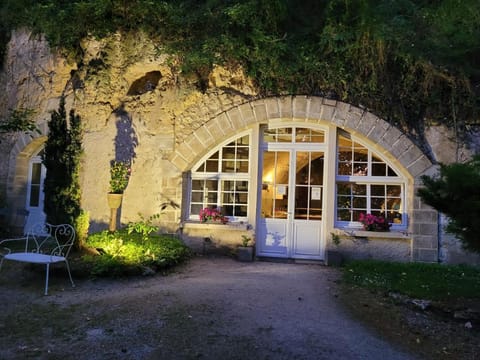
(25, 239)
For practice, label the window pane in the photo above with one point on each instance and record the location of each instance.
(197, 196)
(34, 195)
(278, 135)
(195, 209)
(228, 153)
(242, 167)
(211, 165)
(378, 190)
(360, 202)
(36, 172)
(309, 136)
(391, 172)
(379, 169)
(197, 184)
(242, 153)
(377, 203)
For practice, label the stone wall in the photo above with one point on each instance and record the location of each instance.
(135, 102)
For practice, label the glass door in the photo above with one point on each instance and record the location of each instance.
(35, 194)
(289, 223)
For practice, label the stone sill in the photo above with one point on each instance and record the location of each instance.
(216, 226)
(359, 233)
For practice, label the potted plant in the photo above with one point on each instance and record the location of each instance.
(212, 215)
(245, 251)
(119, 176)
(334, 257)
(374, 223)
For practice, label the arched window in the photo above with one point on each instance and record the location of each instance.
(222, 180)
(366, 183)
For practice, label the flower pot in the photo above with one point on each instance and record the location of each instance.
(114, 200)
(334, 258)
(245, 253)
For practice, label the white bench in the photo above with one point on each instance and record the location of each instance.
(44, 244)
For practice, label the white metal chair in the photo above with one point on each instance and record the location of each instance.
(44, 244)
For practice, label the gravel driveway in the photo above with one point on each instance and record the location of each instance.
(211, 308)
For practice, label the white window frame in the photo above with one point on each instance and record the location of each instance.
(369, 180)
(220, 176)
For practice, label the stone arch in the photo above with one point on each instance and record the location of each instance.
(26, 146)
(385, 138)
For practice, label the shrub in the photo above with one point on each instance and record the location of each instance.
(122, 253)
(456, 193)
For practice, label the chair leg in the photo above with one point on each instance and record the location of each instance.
(69, 274)
(46, 278)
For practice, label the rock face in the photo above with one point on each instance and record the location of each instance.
(136, 104)
(133, 102)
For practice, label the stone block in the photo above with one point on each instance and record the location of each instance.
(214, 129)
(353, 118)
(300, 107)
(236, 118)
(410, 156)
(185, 151)
(179, 162)
(247, 113)
(425, 255)
(273, 109)
(286, 109)
(329, 102)
(260, 111)
(419, 166)
(400, 146)
(389, 138)
(225, 124)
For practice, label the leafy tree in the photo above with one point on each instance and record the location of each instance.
(63, 151)
(456, 193)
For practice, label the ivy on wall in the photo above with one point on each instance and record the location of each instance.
(411, 62)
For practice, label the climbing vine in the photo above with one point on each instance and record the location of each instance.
(412, 62)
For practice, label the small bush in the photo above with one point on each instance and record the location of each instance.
(456, 193)
(123, 253)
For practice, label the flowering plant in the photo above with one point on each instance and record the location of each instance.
(119, 174)
(212, 215)
(374, 223)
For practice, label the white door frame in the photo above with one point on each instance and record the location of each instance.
(280, 237)
(35, 194)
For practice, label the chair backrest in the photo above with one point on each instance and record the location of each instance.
(54, 239)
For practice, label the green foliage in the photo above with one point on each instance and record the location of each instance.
(411, 62)
(19, 120)
(119, 176)
(63, 150)
(456, 193)
(124, 253)
(245, 240)
(417, 280)
(82, 223)
(144, 227)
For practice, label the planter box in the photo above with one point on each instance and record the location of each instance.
(245, 254)
(334, 258)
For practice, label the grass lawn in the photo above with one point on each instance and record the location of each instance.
(417, 280)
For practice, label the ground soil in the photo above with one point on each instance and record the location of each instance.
(219, 308)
